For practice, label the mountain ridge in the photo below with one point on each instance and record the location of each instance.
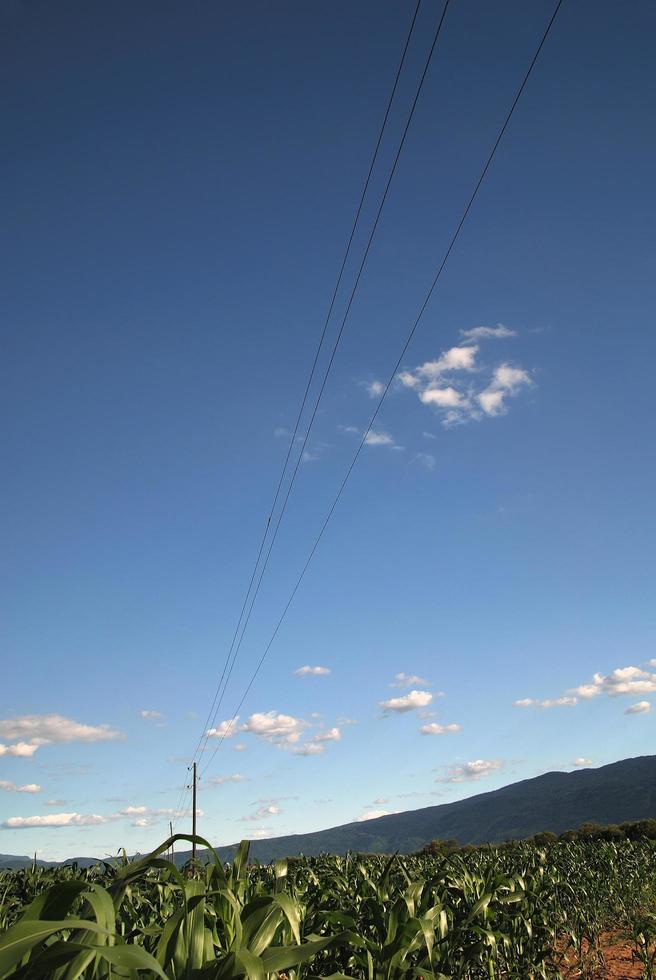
(619, 792)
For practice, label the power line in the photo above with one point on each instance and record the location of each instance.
(315, 362)
(354, 289)
(310, 379)
(407, 343)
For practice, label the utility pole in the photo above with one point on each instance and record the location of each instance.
(193, 814)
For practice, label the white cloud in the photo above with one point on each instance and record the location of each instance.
(640, 708)
(239, 746)
(470, 771)
(279, 729)
(407, 702)
(380, 800)
(581, 762)
(308, 671)
(150, 715)
(374, 388)
(55, 820)
(563, 702)
(237, 777)
(434, 729)
(309, 748)
(459, 387)
(332, 735)
(408, 680)
(427, 460)
(225, 729)
(454, 359)
(443, 398)
(263, 813)
(374, 438)
(506, 381)
(37, 730)
(10, 787)
(488, 333)
(23, 749)
(372, 815)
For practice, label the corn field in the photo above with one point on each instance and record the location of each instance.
(513, 912)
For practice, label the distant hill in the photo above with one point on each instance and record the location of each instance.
(556, 801)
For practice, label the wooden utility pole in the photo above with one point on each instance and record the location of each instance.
(193, 813)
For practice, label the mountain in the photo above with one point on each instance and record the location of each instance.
(557, 801)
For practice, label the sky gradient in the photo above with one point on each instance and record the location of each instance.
(180, 181)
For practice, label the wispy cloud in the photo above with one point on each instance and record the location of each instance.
(488, 333)
(374, 388)
(470, 771)
(563, 702)
(24, 749)
(263, 813)
(408, 680)
(236, 777)
(331, 735)
(308, 671)
(150, 715)
(309, 748)
(581, 762)
(407, 702)
(10, 787)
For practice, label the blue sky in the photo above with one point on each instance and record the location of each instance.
(178, 193)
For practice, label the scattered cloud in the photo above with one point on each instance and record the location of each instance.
(237, 777)
(24, 749)
(239, 746)
(374, 438)
(150, 715)
(374, 388)
(621, 681)
(639, 708)
(10, 787)
(564, 702)
(309, 748)
(488, 333)
(263, 813)
(408, 680)
(54, 820)
(407, 702)
(308, 671)
(581, 762)
(434, 729)
(55, 802)
(281, 432)
(427, 460)
(380, 800)
(276, 728)
(460, 387)
(225, 729)
(373, 815)
(332, 735)
(30, 732)
(470, 771)
(506, 381)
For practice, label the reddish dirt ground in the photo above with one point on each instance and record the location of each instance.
(619, 963)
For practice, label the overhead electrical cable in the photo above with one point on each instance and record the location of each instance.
(294, 434)
(392, 376)
(328, 368)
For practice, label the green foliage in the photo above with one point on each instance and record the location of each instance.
(495, 912)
